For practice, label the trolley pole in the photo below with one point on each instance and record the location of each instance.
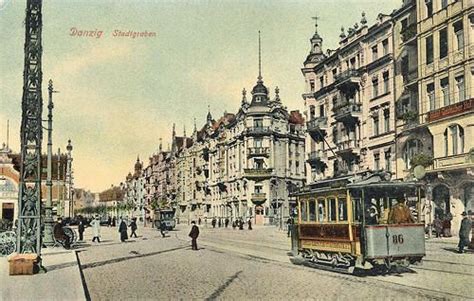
(48, 220)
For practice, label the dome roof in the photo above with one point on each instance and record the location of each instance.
(259, 88)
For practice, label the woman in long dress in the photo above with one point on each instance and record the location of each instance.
(123, 231)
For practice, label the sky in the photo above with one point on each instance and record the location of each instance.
(118, 95)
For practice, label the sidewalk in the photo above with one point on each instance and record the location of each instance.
(62, 281)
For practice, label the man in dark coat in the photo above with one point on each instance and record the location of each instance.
(123, 231)
(250, 224)
(133, 227)
(226, 222)
(162, 228)
(213, 222)
(400, 214)
(194, 235)
(289, 225)
(60, 235)
(464, 232)
(80, 228)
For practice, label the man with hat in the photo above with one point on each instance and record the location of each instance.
(464, 232)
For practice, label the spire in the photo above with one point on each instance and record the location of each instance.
(195, 128)
(316, 52)
(209, 116)
(184, 130)
(277, 94)
(160, 147)
(173, 140)
(259, 58)
(8, 132)
(315, 18)
(244, 96)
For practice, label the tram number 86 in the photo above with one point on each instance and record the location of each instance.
(397, 239)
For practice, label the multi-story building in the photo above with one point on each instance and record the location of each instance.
(445, 38)
(135, 193)
(9, 180)
(350, 102)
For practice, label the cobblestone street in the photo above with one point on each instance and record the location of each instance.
(233, 264)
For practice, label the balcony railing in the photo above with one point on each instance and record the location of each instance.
(258, 130)
(347, 110)
(258, 172)
(451, 110)
(460, 160)
(316, 155)
(348, 74)
(258, 151)
(349, 145)
(317, 123)
(409, 33)
(259, 196)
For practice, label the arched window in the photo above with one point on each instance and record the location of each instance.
(412, 147)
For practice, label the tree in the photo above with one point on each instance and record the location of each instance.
(421, 159)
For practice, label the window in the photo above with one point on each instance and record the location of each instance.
(386, 87)
(446, 143)
(429, 50)
(257, 142)
(444, 83)
(321, 82)
(460, 88)
(258, 163)
(374, 53)
(321, 110)
(459, 33)
(311, 85)
(444, 3)
(321, 210)
(332, 209)
(304, 215)
(376, 161)
(431, 96)
(312, 211)
(353, 63)
(375, 87)
(404, 24)
(311, 111)
(457, 139)
(388, 160)
(376, 125)
(342, 209)
(386, 120)
(443, 43)
(334, 73)
(412, 147)
(429, 8)
(385, 46)
(454, 138)
(297, 165)
(258, 123)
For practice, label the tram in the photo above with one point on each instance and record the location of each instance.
(344, 224)
(166, 216)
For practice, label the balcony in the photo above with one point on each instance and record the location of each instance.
(349, 148)
(409, 34)
(347, 112)
(315, 159)
(348, 79)
(451, 110)
(259, 130)
(258, 198)
(258, 152)
(317, 127)
(258, 173)
(453, 162)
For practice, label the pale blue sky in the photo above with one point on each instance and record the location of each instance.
(118, 96)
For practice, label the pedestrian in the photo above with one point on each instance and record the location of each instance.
(213, 222)
(133, 227)
(109, 221)
(219, 222)
(80, 229)
(199, 221)
(447, 224)
(60, 235)
(289, 225)
(226, 222)
(234, 225)
(114, 222)
(464, 231)
(163, 229)
(438, 225)
(194, 235)
(123, 231)
(241, 224)
(95, 224)
(250, 223)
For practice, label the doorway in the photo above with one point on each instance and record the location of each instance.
(441, 199)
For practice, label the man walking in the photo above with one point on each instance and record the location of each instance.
(289, 224)
(194, 235)
(464, 232)
(133, 227)
(80, 229)
(163, 229)
(96, 229)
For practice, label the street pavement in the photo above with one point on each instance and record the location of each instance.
(253, 265)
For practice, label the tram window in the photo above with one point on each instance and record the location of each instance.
(342, 209)
(304, 216)
(332, 210)
(312, 211)
(321, 210)
(356, 208)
